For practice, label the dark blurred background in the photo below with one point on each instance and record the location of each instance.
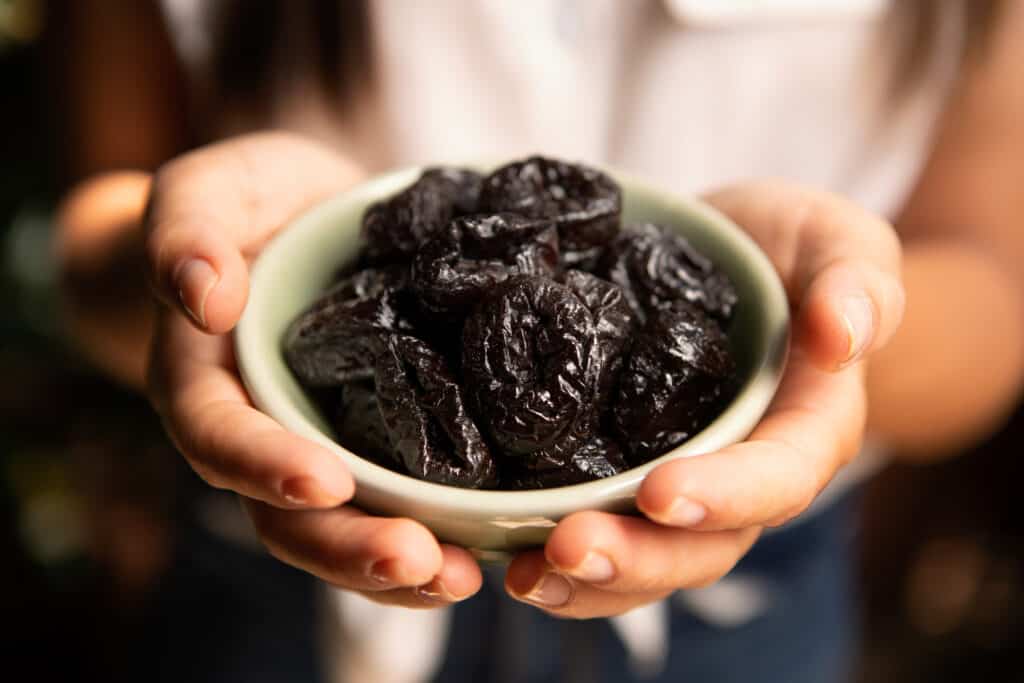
(95, 513)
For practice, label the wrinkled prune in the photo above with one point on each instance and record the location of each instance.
(429, 428)
(395, 228)
(677, 377)
(503, 332)
(613, 322)
(473, 254)
(360, 427)
(528, 359)
(655, 266)
(585, 203)
(595, 458)
(336, 340)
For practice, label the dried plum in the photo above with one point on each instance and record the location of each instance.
(595, 458)
(336, 340)
(585, 203)
(529, 365)
(360, 426)
(655, 266)
(474, 254)
(676, 379)
(613, 322)
(395, 228)
(502, 332)
(429, 428)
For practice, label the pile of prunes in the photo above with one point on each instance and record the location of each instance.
(506, 332)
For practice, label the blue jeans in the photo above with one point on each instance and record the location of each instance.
(806, 634)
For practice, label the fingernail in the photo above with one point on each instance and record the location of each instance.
(553, 590)
(378, 572)
(308, 491)
(195, 279)
(684, 512)
(859, 318)
(595, 568)
(436, 591)
(300, 490)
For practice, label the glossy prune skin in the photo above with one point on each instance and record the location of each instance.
(678, 376)
(360, 426)
(584, 203)
(337, 339)
(595, 458)
(474, 254)
(655, 266)
(395, 228)
(613, 322)
(529, 364)
(429, 428)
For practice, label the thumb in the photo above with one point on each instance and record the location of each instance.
(212, 210)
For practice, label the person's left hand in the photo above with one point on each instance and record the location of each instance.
(841, 268)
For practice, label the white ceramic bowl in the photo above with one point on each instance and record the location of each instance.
(299, 263)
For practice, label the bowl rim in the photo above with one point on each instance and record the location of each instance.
(512, 506)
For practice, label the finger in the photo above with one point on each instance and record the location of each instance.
(626, 554)
(531, 579)
(623, 554)
(212, 209)
(813, 427)
(353, 550)
(459, 578)
(230, 444)
(839, 263)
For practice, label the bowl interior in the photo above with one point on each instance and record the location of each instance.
(298, 264)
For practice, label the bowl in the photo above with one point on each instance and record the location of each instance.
(296, 266)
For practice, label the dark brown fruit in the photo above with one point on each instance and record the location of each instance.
(596, 458)
(395, 228)
(655, 266)
(584, 203)
(474, 254)
(507, 334)
(613, 323)
(360, 427)
(427, 422)
(338, 338)
(678, 377)
(529, 364)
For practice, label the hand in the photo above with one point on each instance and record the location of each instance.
(841, 269)
(209, 213)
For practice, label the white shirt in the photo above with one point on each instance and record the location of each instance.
(688, 93)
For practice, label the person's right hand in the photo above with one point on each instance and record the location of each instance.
(210, 212)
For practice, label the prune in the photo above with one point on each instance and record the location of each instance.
(655, 266)
(595, 458)
(613, 322)
(677, 377)
(429, 428)
(360, 426)
(336, 340)
(395, 228)
(585, 203)
(452, 271)
(502, 332)
(529, 364)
